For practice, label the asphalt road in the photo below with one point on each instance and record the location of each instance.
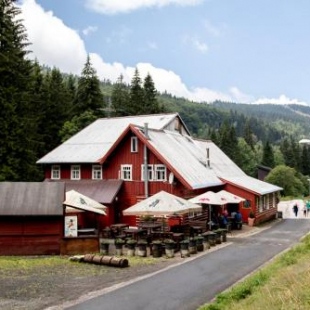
(189, 285)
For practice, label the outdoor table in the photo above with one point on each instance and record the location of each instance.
(118, 228)
(134, 233)
(150, 226)
(197, 230)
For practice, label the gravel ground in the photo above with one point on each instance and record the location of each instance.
(55, 282)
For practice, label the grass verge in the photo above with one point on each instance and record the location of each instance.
(282, 284)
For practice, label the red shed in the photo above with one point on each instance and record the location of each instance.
(31, 217)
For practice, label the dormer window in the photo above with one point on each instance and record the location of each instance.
(97, 172)
(75, 172)
(134, 144)
(55, 173)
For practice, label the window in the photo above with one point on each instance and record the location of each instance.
(150, 172)
(160, 173)
(97, 172)
(55, 175)
(126, 172)
(134, 144)
(75, 172)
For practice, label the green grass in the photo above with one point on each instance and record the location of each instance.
(282, 284)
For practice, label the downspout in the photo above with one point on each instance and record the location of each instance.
(146, 175)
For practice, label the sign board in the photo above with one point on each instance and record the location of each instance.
(71, 226)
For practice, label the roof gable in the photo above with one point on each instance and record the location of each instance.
(92, 143)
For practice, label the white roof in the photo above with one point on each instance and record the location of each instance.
(185, 157)
(254, 185)
(81, 202)
(162, 204)
(229, 197)
(93, 142)
(209, 198)
(220, 163)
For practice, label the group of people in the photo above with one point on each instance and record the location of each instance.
(305, 209)
(222, 218)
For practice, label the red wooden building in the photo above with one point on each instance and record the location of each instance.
(130, 158)
(31, 218)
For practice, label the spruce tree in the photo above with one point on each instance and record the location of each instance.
(89, 96)
(136, 95)
(18, 115)
(268, 156)
(120, 97)
(150, 102)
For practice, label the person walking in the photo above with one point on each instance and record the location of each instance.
(305, 210)
(295, 209)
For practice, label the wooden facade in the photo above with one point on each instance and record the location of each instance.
(30, 235)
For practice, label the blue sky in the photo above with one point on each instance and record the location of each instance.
(234, 50)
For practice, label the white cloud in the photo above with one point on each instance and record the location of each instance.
(211, 29)
(125, 6)
(283, 100)
(89, 30)
(53, 43)
(200, 46)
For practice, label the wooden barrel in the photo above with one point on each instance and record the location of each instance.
(88, 258)
(119, 262)
(106, 260)
(97, 259)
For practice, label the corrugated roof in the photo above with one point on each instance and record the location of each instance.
(93, 142)
(31, 198)
(227, 170)
(184, 157)
(254, 185)
(220, 163)
(103, 191)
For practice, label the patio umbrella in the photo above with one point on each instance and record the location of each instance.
(78, 201)
(229, 197)
(210, 198)
(162, 204)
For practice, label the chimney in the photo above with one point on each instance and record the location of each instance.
(208, 157)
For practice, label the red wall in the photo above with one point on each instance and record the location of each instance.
(30, 235)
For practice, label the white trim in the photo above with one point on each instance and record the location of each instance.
(55, 169)
(160, 172)
(96, 172)
(126, 172)
(75, 173)
(150, 170)
(134, 144)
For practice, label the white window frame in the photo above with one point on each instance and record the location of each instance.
(97, 172)
(134, 145)
(150, 170)
(75, 172)
(126, 172)
(160, 173)
(55, 172)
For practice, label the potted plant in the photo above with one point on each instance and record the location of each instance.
(119, 246)
(192, 246)
(131, 246)
(251, 218)
(199, 243)
(169, 247)
(157, 248)
(104, 247)
(223, 234)
(184, 248)
(141, 245)
(218, 236)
